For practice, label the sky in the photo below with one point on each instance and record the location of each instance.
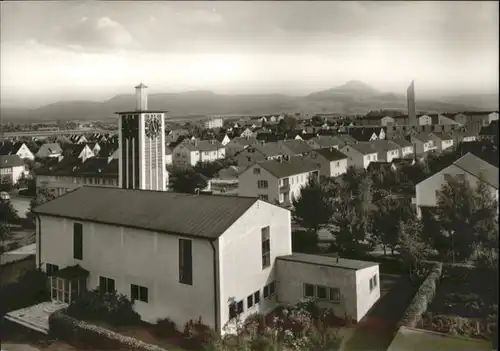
(75, 50)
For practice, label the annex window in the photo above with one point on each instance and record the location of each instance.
(373, 282)
(106, 285)
(266, 247)
(262, 184)
(51, 268)
(334, 294)
(321, 292)
(185, 262)
(78, 241)
(138, 292)
(308, 290)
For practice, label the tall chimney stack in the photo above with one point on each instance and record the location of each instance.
(141, 95)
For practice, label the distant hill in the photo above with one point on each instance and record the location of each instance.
(353, 97)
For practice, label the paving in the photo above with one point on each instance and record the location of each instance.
(377, 328)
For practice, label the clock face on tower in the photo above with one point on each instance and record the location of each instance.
(153, 126)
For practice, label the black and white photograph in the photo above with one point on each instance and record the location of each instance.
(249, 175)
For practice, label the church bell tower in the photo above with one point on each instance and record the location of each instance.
(141, 135)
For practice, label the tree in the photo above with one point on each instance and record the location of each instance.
(43, 195)
(208, 169)
(385, 222)
(312, 209)
(187, 181)
(413, 249)
(466, 217)
(8, 214)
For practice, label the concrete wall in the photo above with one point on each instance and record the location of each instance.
(366, 298)
(241, 272)
(293, 276)
(138, 257)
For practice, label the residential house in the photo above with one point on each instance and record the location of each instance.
(81, 151)
(469, 167)
(277, 181)
(464, 136)
(445, 120)
(366, 134)
(71, 173)
(359, 155)
(18, 148)
(423, 144)
(12, 168)
(258, 152)
(489, 132)
(49, 150)
(238, 144)
(224, 140)
(247, 133)
(442, 141)
(190, 152)
(213, 123)
(293, 147)
(397, 163)
(322, 141)
(95, 147)
(332, 163)
(425, 120)
(193, 259)
(386, 149)
(406, 148)
(168, 156)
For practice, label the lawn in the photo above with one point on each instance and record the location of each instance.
(464, 304)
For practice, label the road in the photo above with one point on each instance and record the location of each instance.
(21, 204)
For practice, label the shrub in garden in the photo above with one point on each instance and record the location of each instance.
(196, 334)
(165, 328)
(113, 308)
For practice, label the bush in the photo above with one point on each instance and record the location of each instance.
(113, 308)
(423, 297)
(30, 289)
(165, 328)
(64, 327)
(196, 335)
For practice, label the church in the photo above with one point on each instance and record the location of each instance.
(183, 256)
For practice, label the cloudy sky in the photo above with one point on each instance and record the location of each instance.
(93, 50)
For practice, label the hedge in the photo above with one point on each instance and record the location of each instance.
(423, 297)
(71, 330)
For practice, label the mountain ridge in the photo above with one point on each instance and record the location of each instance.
(352, 97)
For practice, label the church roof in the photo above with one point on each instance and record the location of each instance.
(203, 216)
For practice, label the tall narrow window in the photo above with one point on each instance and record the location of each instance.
(185, 262)
(266, 247)
(78, 241)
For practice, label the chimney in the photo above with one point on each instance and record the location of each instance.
(141, 95)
